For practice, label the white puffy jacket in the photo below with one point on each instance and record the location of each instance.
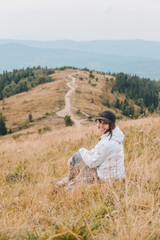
(107, 156)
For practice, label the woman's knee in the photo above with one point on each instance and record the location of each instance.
(76, 158)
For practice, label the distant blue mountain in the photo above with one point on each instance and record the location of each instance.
(130, 56)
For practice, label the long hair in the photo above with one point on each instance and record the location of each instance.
(111, 127)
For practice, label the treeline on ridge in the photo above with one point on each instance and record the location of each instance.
(143, 91)
(23, 80)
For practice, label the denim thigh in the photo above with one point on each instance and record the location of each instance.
(76, 158)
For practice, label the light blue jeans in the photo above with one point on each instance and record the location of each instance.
(90, 174)
(76, 158)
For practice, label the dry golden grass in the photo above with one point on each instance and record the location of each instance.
(44, 99)
(87, 98)
(31, 204)
(32, 207)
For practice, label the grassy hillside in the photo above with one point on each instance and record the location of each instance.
(42, 102)
(34, 159)
(32, 207)
(93, 94)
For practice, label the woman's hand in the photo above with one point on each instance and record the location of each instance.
(69, 163)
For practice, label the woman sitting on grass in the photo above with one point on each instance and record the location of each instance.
(105, 161)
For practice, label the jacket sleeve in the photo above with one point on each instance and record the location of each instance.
(95, 156)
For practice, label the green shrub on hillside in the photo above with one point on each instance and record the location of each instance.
(68, 120)
(3, 129)
(47, 128)
(30, 117)
(91, 74)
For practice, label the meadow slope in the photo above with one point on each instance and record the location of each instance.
(90, 97)
(34, 159)
(32, 207)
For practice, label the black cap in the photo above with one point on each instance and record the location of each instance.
(107, 117)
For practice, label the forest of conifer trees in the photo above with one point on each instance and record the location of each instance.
(137, 91)
(23, 80)
(143, 91)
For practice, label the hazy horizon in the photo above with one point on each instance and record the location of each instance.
(134, 57)
(63, 39)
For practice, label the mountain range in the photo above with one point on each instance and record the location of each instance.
(130, 56)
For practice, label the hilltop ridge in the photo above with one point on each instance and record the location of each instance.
(34, 158)
(93, 93)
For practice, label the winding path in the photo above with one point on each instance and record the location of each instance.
(67, 109)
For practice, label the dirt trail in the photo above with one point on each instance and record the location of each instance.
(67, 109)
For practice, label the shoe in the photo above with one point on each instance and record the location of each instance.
(63, 182)
(69, 185)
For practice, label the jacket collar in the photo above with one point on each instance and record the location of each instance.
(106, 135)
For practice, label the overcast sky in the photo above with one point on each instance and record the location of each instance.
(80, 20)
